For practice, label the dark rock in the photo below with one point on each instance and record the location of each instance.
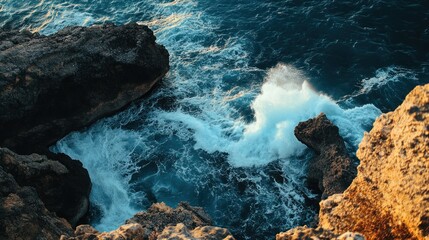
(52, 85)
(331, 168)
(23, 215)
(62, 184)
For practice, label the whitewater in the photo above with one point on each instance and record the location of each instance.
(218, 129)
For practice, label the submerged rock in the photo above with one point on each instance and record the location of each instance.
(160, 222)
(331, 168)
(63, 188)
(23, 215)
(389, 199)
(52, 85)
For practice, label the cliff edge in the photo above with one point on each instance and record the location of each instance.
(389, 198)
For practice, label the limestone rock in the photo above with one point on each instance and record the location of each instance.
(305, 233)
(159, 215)
(52, 85)
(23, 215)
(64, 189)
(331, 169)
(159, 222)
(181, 232)
(389, 199)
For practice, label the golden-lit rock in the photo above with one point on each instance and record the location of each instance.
(389, 198)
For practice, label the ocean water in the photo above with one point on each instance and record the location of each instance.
(218, 131)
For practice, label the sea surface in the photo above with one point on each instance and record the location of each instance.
(218, 131)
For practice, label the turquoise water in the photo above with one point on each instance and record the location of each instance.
(218, 131)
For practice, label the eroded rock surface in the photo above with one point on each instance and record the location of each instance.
(305, 233)
(331, 168)
(23, 215)
(52, 85)
(160, 222)
(389, 199)
(63, 188)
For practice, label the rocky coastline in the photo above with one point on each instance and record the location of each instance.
(52, 85)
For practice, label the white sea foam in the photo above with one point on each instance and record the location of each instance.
(286, 99)
(107, 154)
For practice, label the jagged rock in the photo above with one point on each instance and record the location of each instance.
(159, 222)
(331, 168)
(181, 232)
(64, 189)
(52, 85)
(23, 215)
(159, 215)
(305, 233)
(389, 199)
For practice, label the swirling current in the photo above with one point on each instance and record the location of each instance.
(218, 131)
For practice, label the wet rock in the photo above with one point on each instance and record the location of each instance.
(52, 85)
(63, 188)
(331, 169)
(389, 198)
(23, 215)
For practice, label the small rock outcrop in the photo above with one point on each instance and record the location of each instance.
(305, 233)
(63, 188)
(331, 169)
(160, 222)
(24, 216)
(180, 231)
(389, 198)
(52, 85)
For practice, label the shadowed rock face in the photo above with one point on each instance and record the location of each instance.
(24, 216)
(389, 199)
(52, 85)
(63, 185)
(331, 168)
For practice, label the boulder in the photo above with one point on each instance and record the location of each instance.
(52, 85)
(389, 198)
(23, 215)
(160, 222)
(63, 186)
(331, 169)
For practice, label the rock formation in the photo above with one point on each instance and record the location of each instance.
(160, 222)
(331, 168)
(52, 85)
(305, 233)
(64, 189)
(389, 199)
(24, 216)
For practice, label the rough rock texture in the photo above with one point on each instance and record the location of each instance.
(331, 169)
(181, 232)
(389, 199)
(160, 222)
(305, 233)
(23, 215)
(52, 85)
(159, 215)
(64, 189)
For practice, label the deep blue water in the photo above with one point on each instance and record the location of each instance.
(218, 131)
